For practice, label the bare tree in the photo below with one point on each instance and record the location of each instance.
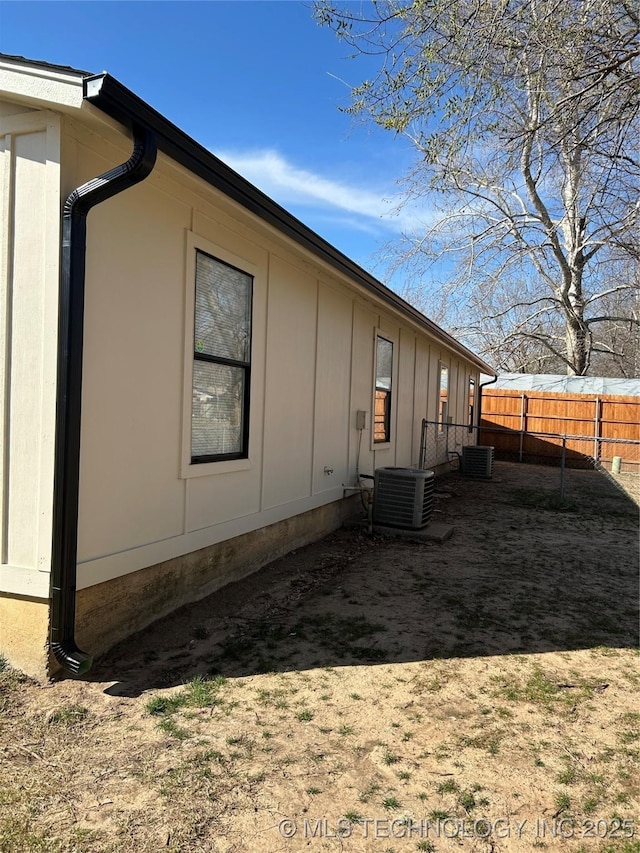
(524, 116)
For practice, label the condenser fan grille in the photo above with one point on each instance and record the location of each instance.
(403, 497)
(477, 461)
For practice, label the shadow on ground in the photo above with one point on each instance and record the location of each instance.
(523, 573)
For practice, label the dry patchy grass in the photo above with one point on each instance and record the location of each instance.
(476, 685)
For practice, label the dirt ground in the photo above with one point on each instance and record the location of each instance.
(364, 694)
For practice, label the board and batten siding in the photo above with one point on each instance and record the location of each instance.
(332, 389)
(291, 370)
(29, 262)
(312, 365)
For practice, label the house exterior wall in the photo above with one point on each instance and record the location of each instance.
(114, 610)
(29, 192)
(29, 259)
(142, 503)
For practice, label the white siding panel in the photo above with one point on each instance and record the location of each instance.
(6, 244)
(420, 388)
(454, 407)
(289, 389)
(333, 382)
(434, 383)
(130, 491)
(220, 498)
(404, 396)
(25, 349)
(8, 109)
(364, 324)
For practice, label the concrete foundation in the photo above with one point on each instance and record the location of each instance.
(111, 611)
(433, 532)
(24, 634)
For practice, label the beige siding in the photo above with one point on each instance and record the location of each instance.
(290, 384)
(29, 177)
(312, 368)
(404, 396)
(420, 390)
(130, 492)
(454, 386)
(8, 109)
(362, 349)
(435, 358)
(25, 365)
(333, 384)
(460, 414)
(165, 529)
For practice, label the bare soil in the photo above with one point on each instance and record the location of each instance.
(364, 694)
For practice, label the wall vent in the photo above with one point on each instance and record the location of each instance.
(403, 497)
(477, 461)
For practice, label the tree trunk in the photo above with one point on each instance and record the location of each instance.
(576, 339)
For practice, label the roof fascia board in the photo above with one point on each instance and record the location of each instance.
(36, 86)
(107, 93)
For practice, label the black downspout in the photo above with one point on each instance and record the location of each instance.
(482, 385)
(69, 392)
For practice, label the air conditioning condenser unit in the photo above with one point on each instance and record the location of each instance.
(477, 461)
(403, 497)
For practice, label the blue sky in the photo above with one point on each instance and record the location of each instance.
(259, 83)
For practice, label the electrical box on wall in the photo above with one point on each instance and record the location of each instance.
(361, 419)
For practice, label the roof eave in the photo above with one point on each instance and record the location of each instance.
(123, 105)
(40, 85)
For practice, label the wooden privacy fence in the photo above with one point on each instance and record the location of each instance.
(599, 427)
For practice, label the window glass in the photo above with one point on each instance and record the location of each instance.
(443, 397)
(221, 366)
(223, 309)
(384, 373)
(217, 414)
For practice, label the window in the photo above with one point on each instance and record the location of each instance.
(221, 361)
(443, 398)
(382, 407)
(472, 401)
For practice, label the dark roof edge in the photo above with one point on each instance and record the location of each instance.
(110, 96)
(39, 63)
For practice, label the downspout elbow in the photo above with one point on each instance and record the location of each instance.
(480, 387)
(69, 392)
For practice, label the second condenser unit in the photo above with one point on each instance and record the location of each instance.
(403, 497)
(477, 461)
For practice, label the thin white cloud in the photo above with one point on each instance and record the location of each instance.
(289, 185)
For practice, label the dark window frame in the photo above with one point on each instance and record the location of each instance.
(243, 453)
(443, 402)
(387, 392)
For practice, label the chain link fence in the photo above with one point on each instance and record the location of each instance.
(442, 445)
